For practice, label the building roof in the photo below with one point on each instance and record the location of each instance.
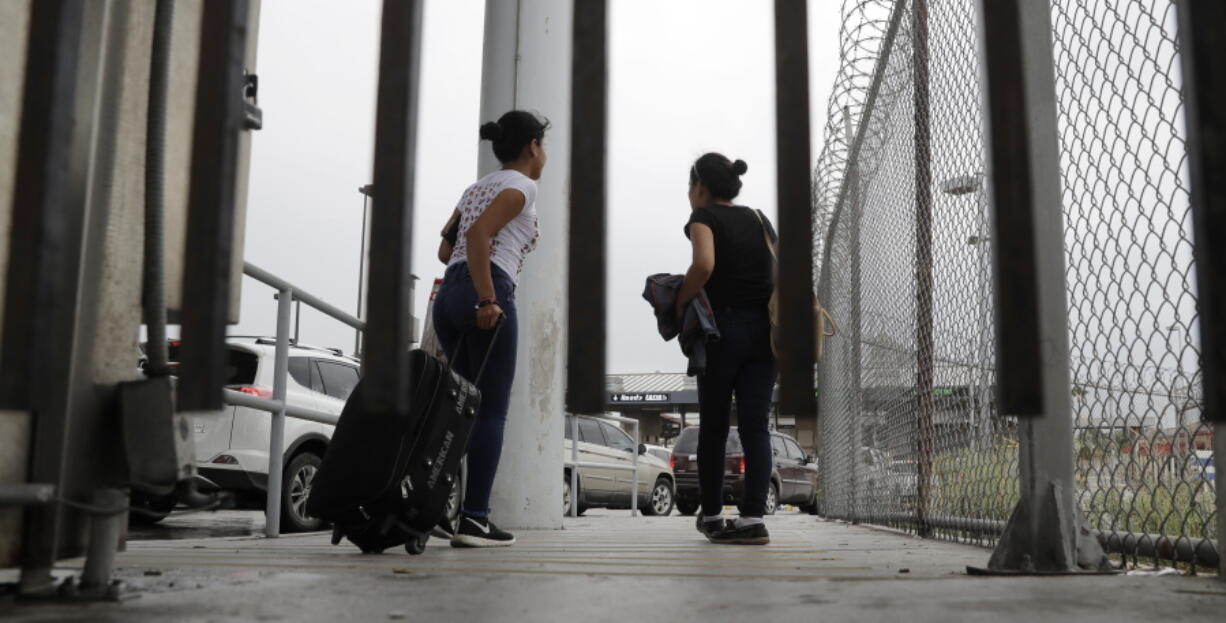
(650, 382)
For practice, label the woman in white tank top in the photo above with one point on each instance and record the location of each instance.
(495, 227)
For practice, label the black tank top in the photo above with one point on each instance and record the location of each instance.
(743, 276)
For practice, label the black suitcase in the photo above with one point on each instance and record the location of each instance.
(385, 481)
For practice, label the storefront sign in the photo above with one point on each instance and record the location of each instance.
(624, 398)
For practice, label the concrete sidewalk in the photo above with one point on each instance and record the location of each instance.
(615, 568)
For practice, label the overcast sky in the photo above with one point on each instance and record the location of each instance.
(687, 76)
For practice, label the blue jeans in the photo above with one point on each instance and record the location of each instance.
(739, 363)
(455, 318)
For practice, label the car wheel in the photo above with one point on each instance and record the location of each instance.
(295, 489)
(567, 496)
(772, 499)
(147, 510)
(687, 508)
(661, 502)
(810, 507)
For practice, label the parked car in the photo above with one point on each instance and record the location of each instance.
(232, 446)
(601, 441)
(793, 478)
(660, 452)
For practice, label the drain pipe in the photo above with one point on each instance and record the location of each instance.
(153, 293)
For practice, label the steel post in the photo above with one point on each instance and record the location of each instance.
(1202, 28)
(796, 296)
(586, 308)
(924, 407)
(276, 435)
(854, 420)
(1044, 533)
(634, 497)
(105, 532)
(357, 334)
(212, 203)
(389, 329)
(64, 168)
(574, 467)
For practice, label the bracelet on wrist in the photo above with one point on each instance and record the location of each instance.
(484, 302)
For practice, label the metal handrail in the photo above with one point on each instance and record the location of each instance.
(278, 406)
(575, 464)
(277, 283)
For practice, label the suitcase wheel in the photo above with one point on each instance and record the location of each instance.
(416, 546)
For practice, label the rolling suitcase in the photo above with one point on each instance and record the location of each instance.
(385, 481)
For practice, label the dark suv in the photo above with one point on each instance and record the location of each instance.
(793, 479)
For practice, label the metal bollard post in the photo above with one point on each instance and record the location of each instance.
(574, 466)
(634, 498)
(276, 434)
(1045, 533)
(104, 531)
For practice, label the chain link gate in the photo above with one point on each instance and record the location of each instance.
(1144, 458)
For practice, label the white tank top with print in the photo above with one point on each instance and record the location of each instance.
(518, 238)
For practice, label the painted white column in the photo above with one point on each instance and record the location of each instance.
(526, 66)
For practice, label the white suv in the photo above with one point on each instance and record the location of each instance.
(232, 448)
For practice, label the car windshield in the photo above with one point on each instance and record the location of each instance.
(687, 443)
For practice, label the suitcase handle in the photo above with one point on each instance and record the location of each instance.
(489, 351)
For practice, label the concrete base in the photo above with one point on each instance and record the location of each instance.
(610, 567)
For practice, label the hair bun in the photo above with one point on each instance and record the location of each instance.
(491, 131)
(739, 167)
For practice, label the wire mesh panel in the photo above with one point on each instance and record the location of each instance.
(909, 435)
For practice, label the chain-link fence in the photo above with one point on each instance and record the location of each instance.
(903, 254)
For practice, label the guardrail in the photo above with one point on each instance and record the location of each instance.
(575, 464)
(277, 406)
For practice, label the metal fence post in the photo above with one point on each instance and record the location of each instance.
(854, 422)
(1043, 534)
(276, 434)
(923, 263)
(1202, 26)
(212, 204)
(634, 497)
(797, 356)
(389, 328)
(586, 342)
(574, 466)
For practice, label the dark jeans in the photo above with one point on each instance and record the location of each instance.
(741, 362)
(455, 316)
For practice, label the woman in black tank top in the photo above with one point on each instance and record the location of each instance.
(732, 262)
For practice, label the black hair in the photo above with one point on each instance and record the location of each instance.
(721, 176)
(512, 132)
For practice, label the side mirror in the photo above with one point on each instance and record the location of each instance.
(642, 448)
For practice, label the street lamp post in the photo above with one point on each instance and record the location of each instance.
(965, 185)
(357, 338)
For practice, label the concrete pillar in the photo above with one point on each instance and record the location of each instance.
(526, 65)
